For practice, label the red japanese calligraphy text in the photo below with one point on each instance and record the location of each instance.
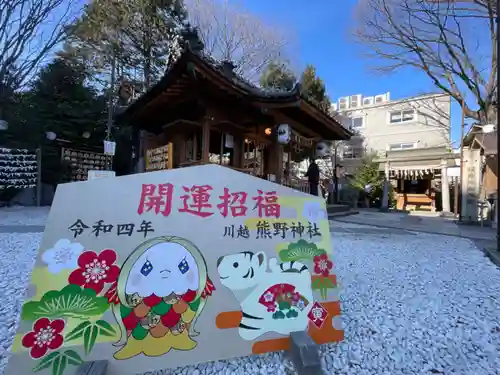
(233, 203)
(196, 200)
(157, 198)
(267, 204)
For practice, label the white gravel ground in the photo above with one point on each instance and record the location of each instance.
(423, 304)
(18, 215)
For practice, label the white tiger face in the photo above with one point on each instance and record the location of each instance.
(242, 270)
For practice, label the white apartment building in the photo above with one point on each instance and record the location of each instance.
(410, 138)
(391, 125)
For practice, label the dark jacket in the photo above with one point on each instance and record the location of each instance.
(312, 173)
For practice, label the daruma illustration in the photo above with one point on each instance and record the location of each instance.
(173, 268)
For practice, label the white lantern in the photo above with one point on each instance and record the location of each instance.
(284, 134)
(322, 149)
(109, 148)
(51, 136)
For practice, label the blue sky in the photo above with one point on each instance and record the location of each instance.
(322, 29)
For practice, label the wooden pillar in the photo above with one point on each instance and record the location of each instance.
(221, 156)
(279, 161)
(179, 145)
(195, 145)
(205, 141)
(237, 151)
(243, 146)
(276, 161)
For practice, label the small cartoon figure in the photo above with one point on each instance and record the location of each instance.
(162, 288)
(280, 299)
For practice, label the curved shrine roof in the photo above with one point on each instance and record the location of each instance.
(190, 64)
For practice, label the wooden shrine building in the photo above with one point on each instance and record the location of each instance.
(202, 112)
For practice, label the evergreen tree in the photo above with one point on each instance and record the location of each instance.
(278, 77)
(314, 88)
(62, 102)
(141, 35)
(369, 175)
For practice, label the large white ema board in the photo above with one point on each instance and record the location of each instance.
(172, 268)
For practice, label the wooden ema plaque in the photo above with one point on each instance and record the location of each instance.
(171, 268)
(159, 158)
(81, 162)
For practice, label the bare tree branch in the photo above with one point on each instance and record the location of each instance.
(229, 32)
(453, 43)
(29, 31)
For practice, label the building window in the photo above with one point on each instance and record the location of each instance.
(354, 122)
(352, 152)
(401, 117)
(402, 146)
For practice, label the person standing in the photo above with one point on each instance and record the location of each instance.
(312, 175)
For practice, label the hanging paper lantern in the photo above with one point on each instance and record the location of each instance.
(322, 149)
(109, 148)
(284, 134)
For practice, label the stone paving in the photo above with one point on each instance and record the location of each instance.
(425, 224)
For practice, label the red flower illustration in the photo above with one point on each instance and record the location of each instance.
(46, 335)
(95, 270)
(322, 265)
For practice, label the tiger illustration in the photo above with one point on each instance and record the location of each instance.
(281, 297)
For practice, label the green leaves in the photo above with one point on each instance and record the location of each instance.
(71, 301)
(46, 361)
(284, 305)
(58, 361)
(59, 365)
(89, 337)
(73, 358)
(278, 76)
(105, 328)
(323, 284)
(77, 332)
(89, 331)
(300, 250)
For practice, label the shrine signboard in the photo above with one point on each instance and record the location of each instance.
(121, 275)
(159, 158)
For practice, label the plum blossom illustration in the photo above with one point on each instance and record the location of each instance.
(63, 255)
(95, 270)
(322, 265)
(269, 297)
(46, 335)
(313, 212)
